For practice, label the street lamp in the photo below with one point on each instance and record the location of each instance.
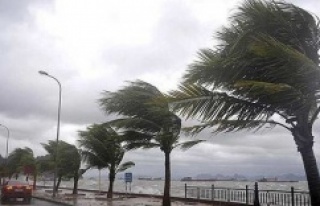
(58, 131)
(7, 140)
(6, 162)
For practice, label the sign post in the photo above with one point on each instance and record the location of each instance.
(128, 179)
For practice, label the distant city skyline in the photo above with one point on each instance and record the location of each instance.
(201, 176)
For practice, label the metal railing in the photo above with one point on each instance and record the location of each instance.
(247, 195)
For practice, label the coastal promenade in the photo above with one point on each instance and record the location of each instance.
(194, 195)
(90, 198)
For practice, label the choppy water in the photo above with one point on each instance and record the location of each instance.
(177, 187)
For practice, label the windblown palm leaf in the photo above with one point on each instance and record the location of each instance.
(188, 144)
(125, 166)
(93, 160)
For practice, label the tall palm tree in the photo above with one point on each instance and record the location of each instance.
(266, 65)
(147, 122)
(103, 148)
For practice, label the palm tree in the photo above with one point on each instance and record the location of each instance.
(68, 161)
(19, 159)
(266, 66)
(94, 161)
(147, 122)
(103, 148)
(43, 164)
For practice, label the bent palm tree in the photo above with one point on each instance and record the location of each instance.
(103, 148)
(147, 122)
(68, 161)
(20, 158)
(266, 66)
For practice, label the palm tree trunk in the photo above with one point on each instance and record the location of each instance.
(99, 181)
(302, 134)
(35, 174)
(58, 183)
(166, 194)
(75, 183)
(112, 175)
(312, 173)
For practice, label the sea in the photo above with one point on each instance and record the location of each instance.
(177, 186)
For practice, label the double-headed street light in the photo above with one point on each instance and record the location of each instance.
(55, 174)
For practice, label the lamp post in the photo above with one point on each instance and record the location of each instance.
(7, 145)
(58, 131)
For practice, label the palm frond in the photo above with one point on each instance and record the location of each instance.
(228, 126)
(188, 144)
(143, 145)
(134, 99)
(134, 135)
(140, 124)
(124, 166)
(197, 101)
(147, 121)
(94, 160)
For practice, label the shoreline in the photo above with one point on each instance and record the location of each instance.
(93, 198)
(195, 195)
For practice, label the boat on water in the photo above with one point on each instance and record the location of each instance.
(274, 179)
(185, 179)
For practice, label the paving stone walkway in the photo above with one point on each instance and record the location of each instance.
(91, 199)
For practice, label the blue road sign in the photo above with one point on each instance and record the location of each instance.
(128, 177)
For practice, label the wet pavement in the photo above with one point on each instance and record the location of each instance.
(34, 202)
(65, 197)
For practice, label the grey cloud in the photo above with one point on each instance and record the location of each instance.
(173, 45)
(15, 11)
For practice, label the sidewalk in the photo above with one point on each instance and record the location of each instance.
(91, 199)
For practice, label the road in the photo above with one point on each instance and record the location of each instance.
(35, 202)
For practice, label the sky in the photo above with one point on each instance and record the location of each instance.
(92, 46)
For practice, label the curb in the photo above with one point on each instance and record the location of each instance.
(52, 201)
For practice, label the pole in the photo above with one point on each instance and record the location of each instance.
(256, 195)
(247, 195)
(55, 174)
(185, 190)
(292, 196)
(100, 182)
(57, 142)
(7, 144)
(212, 194)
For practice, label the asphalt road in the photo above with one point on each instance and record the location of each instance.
(34, 202)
